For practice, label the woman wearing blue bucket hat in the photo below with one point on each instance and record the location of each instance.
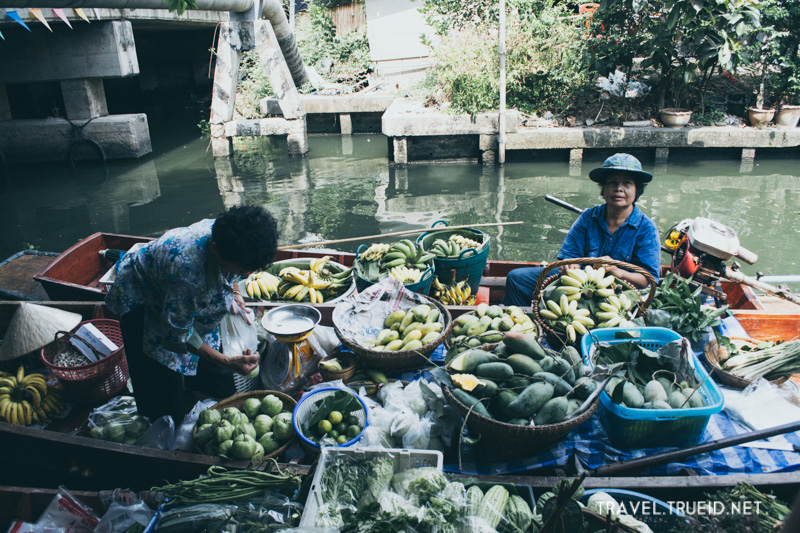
(615, 230)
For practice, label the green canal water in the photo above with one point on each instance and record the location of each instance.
(347, 187)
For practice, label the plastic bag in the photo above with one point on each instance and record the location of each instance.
(160, 435)
(65, 511)
(760, 405)
(120, 517)
(418, 436)
(184, 439)
(192, 518)
(237, 335)
(118, 421)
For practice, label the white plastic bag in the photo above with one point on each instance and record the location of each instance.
(237, 335)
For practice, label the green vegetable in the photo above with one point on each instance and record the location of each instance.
(419, 484)
(271, 405)
(522, 364)
(268, 442)
(474, 499)
(552, 412)
(471, 401)
(380, 478)
(686, 313)
(519, 513)
(251, 407)
(262, 424)
(498, 371)
(631, 395)
(493, 506)
(531, 400)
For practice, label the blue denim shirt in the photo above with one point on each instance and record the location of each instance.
(182, 289)
(636, 241)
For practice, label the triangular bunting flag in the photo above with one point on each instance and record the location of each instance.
(16, 18)
(37, 14)
(79, 11)
(60, 14)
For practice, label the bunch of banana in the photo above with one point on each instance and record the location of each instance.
(565, 316)
(453, 246)
(314, 284)
(262, 286)
(453, 294)
(406, 275)
(51, 406)
(374, 252)
(616, 311)
(406, 253)
(585, 283)
(22, 396)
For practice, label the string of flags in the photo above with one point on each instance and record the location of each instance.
(36, 14)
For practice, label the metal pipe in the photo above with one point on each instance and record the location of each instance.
(237, 6)
(272, 10)
(501, 138)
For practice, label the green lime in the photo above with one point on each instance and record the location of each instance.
(353, 431)
(341, 439)
(352, 420)
(324, 426)
(333, 434)
(341, 427)
(335, 417)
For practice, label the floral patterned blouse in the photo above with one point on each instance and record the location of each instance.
(182, 289)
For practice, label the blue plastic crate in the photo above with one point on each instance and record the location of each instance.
(646, 428)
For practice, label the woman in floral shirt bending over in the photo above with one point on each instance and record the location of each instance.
(171, 296)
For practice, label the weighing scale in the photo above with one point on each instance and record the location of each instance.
(292, 324)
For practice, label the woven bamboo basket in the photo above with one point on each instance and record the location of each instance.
(537, 332)
(510, 441)
(714, 352)
(237, 400)
(402, 360)
(558, 338)
(349, 366)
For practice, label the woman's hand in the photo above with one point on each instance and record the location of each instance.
(634, 278)
(563, 269)
(611, 269)
(245, 363)
(239, 308)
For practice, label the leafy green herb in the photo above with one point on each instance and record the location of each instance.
(686, 313)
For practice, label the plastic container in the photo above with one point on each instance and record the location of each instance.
(306, 407)
(646, 428)
(471, 262)
(96, 382)
(423, 286)
(404, 459)
(657, 514)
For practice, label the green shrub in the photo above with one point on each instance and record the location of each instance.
(545, 64)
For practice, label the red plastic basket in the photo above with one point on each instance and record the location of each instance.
(98, 381)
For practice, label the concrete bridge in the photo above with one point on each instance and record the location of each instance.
(71, 66)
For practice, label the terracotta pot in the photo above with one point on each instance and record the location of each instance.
(760, 117)
(788, 116)
(674, 117)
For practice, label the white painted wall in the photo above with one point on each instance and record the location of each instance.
(394, 28)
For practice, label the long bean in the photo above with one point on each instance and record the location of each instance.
(222, 485)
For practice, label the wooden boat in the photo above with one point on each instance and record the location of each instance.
(76, 274)
(64, 454)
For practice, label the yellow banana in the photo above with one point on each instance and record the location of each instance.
(578, 274)
(605, 282)
(26, 412)
(36, 398)
(13, 418)
(578, 327)
(262, 286)
(312, 295)
(569, 289)
(548, 314)
(604, 293)
(584, 320)
(616, 302)
(570, 281)
(248, 286)
(570, 333)
(554, 307)
(20, 373)
(292, 292)
(573, 306)
(8, 382)
(599, 274)
(300, 296)
(564, 303)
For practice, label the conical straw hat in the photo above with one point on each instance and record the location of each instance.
(34, 326)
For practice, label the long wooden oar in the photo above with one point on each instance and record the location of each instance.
(395, 234)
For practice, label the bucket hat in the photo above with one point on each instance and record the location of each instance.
(620, 163)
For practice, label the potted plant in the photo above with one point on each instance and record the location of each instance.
(785, 14)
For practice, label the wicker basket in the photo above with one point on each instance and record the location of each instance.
(402, 360)
(349, 366)
(96, 382)
(511, 441)
(537, 332)
(237, 400)
(712, 352)
(557, 338)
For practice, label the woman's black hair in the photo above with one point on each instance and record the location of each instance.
(639, 188)
(246, 236)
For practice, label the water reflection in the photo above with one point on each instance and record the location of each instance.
(347, 187)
